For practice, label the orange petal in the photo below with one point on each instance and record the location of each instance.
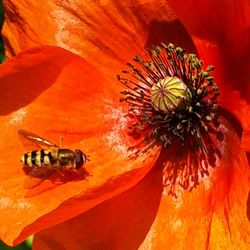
(109, 34)
(212, 216)
(103, 32)
(57, 94)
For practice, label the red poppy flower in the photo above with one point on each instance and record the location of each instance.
(130, 206)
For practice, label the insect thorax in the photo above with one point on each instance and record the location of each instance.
(66, 157)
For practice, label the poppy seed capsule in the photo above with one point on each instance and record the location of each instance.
(169, 94)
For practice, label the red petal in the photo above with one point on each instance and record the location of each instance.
(221, 34)
(245, 141)
(230, 32)
(56, 94)
(211, 216)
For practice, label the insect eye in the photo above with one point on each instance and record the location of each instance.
(79, 158)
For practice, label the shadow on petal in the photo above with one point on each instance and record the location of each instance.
(170, 32)
(248, 206)
(233, 121)
(248, 157)
(248, 198)
(15, 95)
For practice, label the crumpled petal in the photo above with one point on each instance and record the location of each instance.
(212, 216)
(56, 94)
(105, 33)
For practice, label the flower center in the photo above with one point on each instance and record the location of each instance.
(169, 94)
(173, 100)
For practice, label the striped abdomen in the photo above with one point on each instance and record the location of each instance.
(39, 158)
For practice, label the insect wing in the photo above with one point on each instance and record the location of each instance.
(35, 139)
(38, 181)
(37, 175)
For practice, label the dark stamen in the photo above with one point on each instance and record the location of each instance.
(175, 100)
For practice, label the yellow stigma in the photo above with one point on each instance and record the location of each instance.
(169, 94)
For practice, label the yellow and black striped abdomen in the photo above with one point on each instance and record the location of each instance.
(39, 158)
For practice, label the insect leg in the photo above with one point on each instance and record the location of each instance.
(61, 142)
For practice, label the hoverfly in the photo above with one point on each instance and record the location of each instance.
(50, 157)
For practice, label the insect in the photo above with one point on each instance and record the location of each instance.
(50, 157)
